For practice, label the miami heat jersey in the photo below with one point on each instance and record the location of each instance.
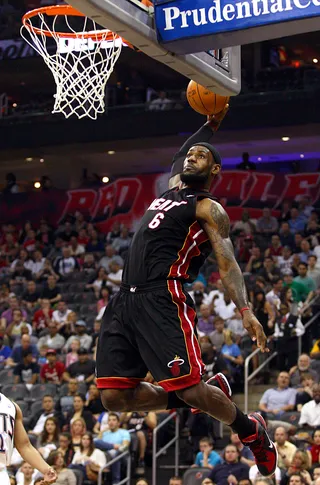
(7, 421)
(170, 242)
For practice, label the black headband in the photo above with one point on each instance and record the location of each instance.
(214, 152)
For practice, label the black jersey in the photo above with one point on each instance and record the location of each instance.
(170, 242)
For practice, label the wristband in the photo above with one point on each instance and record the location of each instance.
(244, 309)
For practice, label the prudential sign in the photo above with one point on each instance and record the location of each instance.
(186, 26)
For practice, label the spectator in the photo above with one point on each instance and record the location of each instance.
(314, 450)
(255, 263)
(244, 225)
(122, 242)
(221, 473)
(302, 367)
(53, 339)
(42, 317)
(14, 328)
(217, 294)
(286, 450)
(11, 186)
(76, 249)
(115, 440)
(83, 370)
(298, 238)
(286, 236)
(285, 261)
(313, 271)
(17, 353)
(161, 103)
(297, 221)
(175, 481)
(97, 282)
(67, 264)
(310, 412)
(27, 371)
(307, 282)
(206, 457)
(52, 371)
(279, 400)
(89, 459)
(110, 256)
(258, 479)
(275, 249)
(244, 250)
(273, 297)
(269, 271)
(264, 312)
(65, 476)
(49, 438)
(114, 233)
(79, 411)
(38, 263)
(288, 328)
(235, 325)
(67, 232)
(102, 423)
(217, 336)
(65, 447)
(77, 429)
(7, 315)
(20, 275)
(299, 466)
(25, 475)
(93, 402)
(51, 291)
(37, 421)
(81, 335)
(72, 355)
(60, 316)
(205, 322)
(94, 245)
(31, 296)
(212, 359)
(305, 206)
(299, 291)
(225, 307)
(267, 224)
(5, 351)
(304, 391)
(245, 453)
(104, 298)
(30, 243)
(305, 251)
(114, 278)
(231, 353)
(65, 403)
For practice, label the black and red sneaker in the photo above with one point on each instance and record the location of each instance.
(263, 449)
(220, 381)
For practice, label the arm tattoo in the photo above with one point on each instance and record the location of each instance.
(230, 272)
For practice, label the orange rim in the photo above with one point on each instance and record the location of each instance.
(66, 10)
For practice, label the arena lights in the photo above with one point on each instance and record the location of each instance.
(28, 159)
(37, 185)
(285, 138)
(301, 155)
(315, 60)
(105, 180)
(41, 160)
(259, 159)
(111, 152)
(14, 105)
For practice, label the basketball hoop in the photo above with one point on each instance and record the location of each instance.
(81, 59)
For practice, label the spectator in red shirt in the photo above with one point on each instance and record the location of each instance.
(53, 370)
(42, 317)
(275, 249)
(30, 243)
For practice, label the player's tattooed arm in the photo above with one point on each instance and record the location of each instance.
(215, 222)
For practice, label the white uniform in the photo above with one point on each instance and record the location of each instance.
(7, 422)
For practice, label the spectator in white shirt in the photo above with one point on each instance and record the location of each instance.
(122, 242)
(67, 264)
(273, 297)
(161, 103)
(285, 261)
(76, 249)
(114, 278)
(217, 294)
(53, 340)
(225, 307)
(38, 262)
(110, 256)
(310, 412)
(81, 335)
(60, 316)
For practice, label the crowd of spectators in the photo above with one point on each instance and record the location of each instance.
(54, 286)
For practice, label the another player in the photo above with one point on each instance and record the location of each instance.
(150, 323)
(13, 434)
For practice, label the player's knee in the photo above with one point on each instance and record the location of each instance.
(190, 395)
(116, 400)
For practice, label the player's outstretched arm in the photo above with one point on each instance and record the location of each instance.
(204, 134)
(29, 453)
(215, 222)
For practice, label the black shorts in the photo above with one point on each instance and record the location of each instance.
(149, 328)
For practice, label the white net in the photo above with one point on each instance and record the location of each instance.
(81, 63)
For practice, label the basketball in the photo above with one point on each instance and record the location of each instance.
(204, 101)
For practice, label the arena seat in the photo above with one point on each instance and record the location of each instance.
(39, 390)
(6, 377)
(16, 392)
(194, 476)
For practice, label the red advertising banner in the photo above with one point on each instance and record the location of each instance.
(126, 199)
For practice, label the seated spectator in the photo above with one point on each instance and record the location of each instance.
(76, 249)
(53, 370)
(295, 264)
(101, 424)
(28, 371)
(235, 325)
(304, 391)
(36, 424)
(23, 257)
(245, 453)
(244, 225)
(72, 355)
(110, 256)
(255, 263)
(81, 335)
(88, 264)
(30, 243)
(139, 425)
(305, 251)
(275, 249)
(286, 236)
(161, 103)
(5, 351)
(297, 221)
(115, 441)
(77, 429)
(31, 296)
(65, 403)
(60, 315)
(213, 360)
(314, 450)
(307, 282)
(231, 353)
(175, 481)
(83, 370)
(95, 245)
(286, 450)
(65, 476)
(46, 272)
(98, 282)
(316, 475)
(66, 232)
(42, 317)
(243, 250)
(65, 447)
(53, 339)
(20, 276)
(299, 465)
(48, 440)
(258, 479)
(221, 473)
(7, 315)
(114, 278)
(285, 261)
(114, 233)
(206, 457)
(51, 291)
(16, 354)
(37, 263)
(67, 264)
(104, 298)
(288, 328)
(302, 367)
(299, 291)
(215, 294)
(264, 312)
(122, 243)
(25, 475)
(93, 402)
(14, 328)
(310, 412)
(88, 458)
(269, 271)
(267, 224)
(277, 401)
(313, 271)
(225, 307)
(273, 297)
(79, 411)
(205, 322)
(217, 336)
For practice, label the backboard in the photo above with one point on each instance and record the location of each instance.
(217, 69)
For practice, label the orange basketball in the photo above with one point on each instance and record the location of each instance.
(204, 101)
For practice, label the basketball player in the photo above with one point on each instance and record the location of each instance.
(13, 434)
(150, 323)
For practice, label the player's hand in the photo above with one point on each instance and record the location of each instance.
(50, 476)
(255, 330)
(215, 120)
